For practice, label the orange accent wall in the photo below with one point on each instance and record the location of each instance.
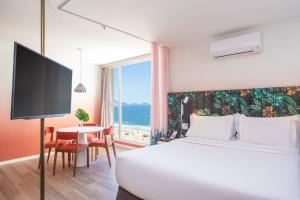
(20, 138)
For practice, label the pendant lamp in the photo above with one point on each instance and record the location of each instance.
(80, 88)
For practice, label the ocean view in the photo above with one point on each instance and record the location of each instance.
(132, 87)
(135, 122)
(134, 114)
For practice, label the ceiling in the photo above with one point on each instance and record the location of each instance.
(180, 22)
(170, 22)
(20, 20)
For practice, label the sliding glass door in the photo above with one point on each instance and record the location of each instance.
(132, 102)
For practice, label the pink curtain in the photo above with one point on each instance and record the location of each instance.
(160, 89)
(106, 102)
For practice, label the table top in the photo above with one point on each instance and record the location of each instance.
(84, 129)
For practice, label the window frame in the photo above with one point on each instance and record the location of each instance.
(119, 65)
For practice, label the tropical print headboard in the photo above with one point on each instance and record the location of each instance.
(258, 102)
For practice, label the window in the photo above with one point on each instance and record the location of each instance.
(132, 102)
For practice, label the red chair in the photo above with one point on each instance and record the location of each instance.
(71, 146)
(92, 137)
(105, 143)
(49, 131)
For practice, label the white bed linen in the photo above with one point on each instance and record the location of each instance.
(277, 131)
(212, 127)
(192, 169)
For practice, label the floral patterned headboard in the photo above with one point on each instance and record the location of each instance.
(258, 102)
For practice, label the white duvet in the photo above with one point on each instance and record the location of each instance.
(195, 169)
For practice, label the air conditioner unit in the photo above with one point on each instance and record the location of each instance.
(246, 43)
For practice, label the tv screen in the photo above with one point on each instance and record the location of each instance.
(41, 87)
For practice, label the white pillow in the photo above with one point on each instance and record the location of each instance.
(276, 131)
(212, 127)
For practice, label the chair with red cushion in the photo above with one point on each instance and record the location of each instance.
(49, 132)
(71, 146)
(92, 137)
(106, 142)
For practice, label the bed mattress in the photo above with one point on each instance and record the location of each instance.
(192, 168)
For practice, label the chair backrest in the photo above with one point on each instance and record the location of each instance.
(89, 124)
(49, 131)
(67, 135)
(108, 131)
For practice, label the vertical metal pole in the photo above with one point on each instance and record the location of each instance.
(42, 157)
(42, 121)
(43, 27)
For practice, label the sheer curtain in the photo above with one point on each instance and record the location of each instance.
(106, 103)
(160, 89)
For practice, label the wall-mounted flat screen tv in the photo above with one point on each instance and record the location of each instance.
(41, 87)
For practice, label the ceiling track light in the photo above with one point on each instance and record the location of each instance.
(104, 26)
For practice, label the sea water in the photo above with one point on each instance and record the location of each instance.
(134, 115)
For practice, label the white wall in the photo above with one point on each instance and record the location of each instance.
(192, 69)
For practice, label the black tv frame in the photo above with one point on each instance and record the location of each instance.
(14, 80)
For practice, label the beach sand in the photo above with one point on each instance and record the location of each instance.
(137, 134)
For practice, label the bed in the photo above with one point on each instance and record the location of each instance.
(223, 157)
(193, 168)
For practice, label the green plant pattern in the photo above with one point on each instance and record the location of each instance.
(258, 102)
(82, 115)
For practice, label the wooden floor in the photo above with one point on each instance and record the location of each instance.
(20, 181)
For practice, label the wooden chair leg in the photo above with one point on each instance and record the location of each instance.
(75, 165)
(49, 151)
(96, 152)
(69, 159)
(92, 153)
(107, 153)
(63, 159)
(88, 157)
(39, 165)
(113, 145)
(54, 165)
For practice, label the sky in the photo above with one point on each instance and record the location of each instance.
(136, 83)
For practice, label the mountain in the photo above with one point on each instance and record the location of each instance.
(131, 104)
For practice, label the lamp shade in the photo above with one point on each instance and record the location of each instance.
(80, 88)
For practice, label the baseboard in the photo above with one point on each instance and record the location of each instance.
(17, 160)
(124, 146)
(129, 144)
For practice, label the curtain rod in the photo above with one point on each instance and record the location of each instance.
(61, 8)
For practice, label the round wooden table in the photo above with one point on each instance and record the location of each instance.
(83, 131)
